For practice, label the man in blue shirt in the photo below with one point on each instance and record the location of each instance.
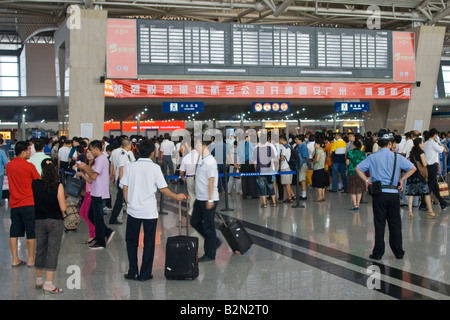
(302, 150)
(386, 205)
(245, 160)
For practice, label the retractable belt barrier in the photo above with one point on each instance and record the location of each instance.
(240, 174)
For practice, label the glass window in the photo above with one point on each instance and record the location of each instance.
(446, 78)
(9, 69)
(9, 75)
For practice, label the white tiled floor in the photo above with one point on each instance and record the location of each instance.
(319, 252)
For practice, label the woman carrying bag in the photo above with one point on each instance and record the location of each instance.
(417, 184)
(50, 203)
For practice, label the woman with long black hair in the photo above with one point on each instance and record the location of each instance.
(50, 203)
(417, 184)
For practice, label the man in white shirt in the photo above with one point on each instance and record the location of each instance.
(286, 179)
(141, 180)
(63, 155)
(188, 167)
(432, 147)
(165, 155)
(207, 193)
(119, 161)
(38, 156)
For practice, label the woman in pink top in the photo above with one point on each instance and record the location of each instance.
(84, 210)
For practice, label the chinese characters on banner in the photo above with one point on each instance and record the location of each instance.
(128, 126)
(256, 90)
(404, 59)
(121, 49)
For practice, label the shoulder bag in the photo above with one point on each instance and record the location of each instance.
(376, 187)
(422, 169)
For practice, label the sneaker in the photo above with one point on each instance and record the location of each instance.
(444, 206)
(205, 258)
(374, 257)
(131, 276)
(108, 238)
(96, 247)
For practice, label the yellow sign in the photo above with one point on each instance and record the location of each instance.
(275, 124)
(6, 135)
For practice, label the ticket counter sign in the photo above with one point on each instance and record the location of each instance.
(351, 106)
(182, 107)
(270, 107)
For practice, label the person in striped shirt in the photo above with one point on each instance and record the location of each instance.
(338, 152)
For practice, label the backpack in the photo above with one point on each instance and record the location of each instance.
(294, 160)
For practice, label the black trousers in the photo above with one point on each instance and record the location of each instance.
(386, 208)
(118, 205)
(132, 233)
(433, 185)
(248, 183)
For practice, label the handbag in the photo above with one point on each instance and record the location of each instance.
(443, 187)
(376, 187)
(74, 186)
(422, 169)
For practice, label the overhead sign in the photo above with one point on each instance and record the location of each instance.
(182, 107)
(270, 106)
(121, 57)
(129, 126)
(404, 57)
(351, 106)
(204, 48)
(258, 90)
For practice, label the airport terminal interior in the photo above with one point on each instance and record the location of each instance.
(145, 68)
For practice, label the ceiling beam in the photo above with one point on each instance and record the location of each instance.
(442, 14)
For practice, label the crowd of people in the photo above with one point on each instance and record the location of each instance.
(131, 170)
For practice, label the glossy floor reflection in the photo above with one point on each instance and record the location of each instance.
(319, 252)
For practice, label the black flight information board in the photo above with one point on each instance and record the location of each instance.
(203, 48)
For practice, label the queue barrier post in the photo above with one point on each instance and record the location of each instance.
(227, 208)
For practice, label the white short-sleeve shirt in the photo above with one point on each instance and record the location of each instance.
(167, 147)
(143, 179)
(206, 169)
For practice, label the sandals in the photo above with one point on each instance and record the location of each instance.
(264, 205)
(54, 291)
(410, 215)
(89, 241)
(21, 263)
(432, 215)
(288, 201)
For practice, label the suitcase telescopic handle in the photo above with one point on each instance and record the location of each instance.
(187, 216)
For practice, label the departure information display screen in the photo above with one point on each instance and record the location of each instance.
(202, 48)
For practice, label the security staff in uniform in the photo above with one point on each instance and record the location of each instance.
(386, 205)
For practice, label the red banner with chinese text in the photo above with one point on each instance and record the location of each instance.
(122, 48)
(128, 126)
(404, 56)
(256, 90)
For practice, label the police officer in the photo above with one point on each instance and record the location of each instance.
(386, 204)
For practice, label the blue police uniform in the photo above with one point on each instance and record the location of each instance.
(386, 205)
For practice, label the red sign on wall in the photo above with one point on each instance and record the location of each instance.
(258, 90)
(130, 126)
(121, 49)
(404, 57)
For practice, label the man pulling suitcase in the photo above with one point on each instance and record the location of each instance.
(141, 180)
(206, 191)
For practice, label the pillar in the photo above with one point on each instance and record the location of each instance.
(80, 52)
(405, 115)
(429, 43)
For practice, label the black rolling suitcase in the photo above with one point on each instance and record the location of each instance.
(234, 232)
(181, 253)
